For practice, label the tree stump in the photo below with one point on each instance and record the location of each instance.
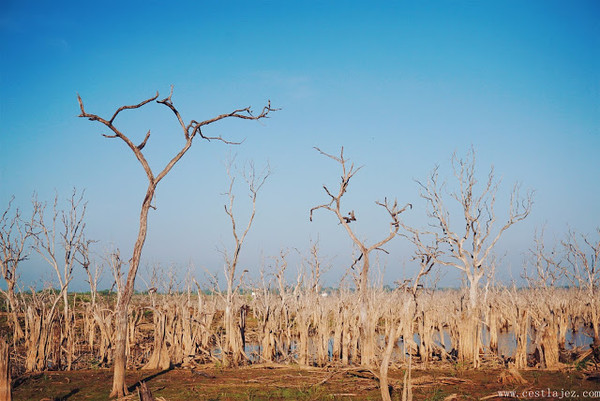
(144, 392)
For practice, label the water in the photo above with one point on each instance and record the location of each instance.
(507, 344)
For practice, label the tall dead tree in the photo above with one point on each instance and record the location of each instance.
(367, 332)
(473, 237)
(190, 131)
(233, 346)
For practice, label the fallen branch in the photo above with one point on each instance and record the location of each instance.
(325, 380)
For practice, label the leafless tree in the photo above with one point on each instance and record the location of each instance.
(92, 270)
(14, 236)
(233, 352)
(345, 219)
(471, 240)
(425, 254)
(59, 240)
(549, 319)
(307, 310)
(93, 311)
(159, 359)
(190, 131)
(40, 322)
(547, 268)
(583, 269)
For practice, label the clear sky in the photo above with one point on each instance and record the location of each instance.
(401, 85)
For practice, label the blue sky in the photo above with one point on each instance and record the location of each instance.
(401, 85)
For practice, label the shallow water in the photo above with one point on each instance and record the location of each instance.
(507, 344)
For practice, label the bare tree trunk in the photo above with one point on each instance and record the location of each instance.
(563, 326)
(521, 335)
(407, 384)
(385, 363)
(268, 338)
(347, 316)
(595, 323)
(188, 337)
(119, 388)
(10, 293)
(160, 357)
(367, 331)
(323, 333)
(242, 326)
(104, 320)
(492, 323)
(338, 330)
(302, 327)
(5, 385)
(549, 346)
(472, 346)
(233, 343)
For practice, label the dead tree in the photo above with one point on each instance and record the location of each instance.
(190, 131)
(425, 254)
(59, 241)
(306, 307)
(549, 320)
(583, 269)
(470, 242)
(93, 275)
(367, 333)
(14, 236)
(159, 359)
(233, 346)
(40, 319)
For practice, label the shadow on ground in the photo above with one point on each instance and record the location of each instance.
(135, 386)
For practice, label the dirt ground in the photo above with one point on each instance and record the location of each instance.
(296, 383)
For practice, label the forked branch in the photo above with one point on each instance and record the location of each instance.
(190, 130)
(335, 206)
(347, 174)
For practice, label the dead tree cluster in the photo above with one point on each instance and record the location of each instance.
(290, 322)
(295, 322)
